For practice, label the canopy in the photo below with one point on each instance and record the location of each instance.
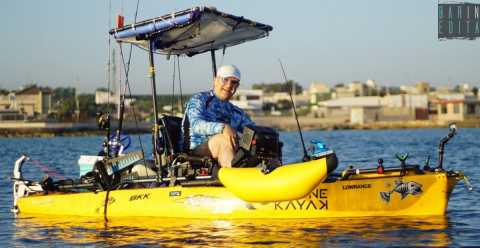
(191, 31)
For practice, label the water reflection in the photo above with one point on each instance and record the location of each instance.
(422, 231)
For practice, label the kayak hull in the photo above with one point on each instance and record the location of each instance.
(370, 195)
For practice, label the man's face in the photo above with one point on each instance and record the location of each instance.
(225, 88)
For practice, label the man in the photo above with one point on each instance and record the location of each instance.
(213, 121)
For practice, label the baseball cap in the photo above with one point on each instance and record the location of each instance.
(228, 71)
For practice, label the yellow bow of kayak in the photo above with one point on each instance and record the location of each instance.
(285, 183)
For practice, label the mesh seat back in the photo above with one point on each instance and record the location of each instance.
(172, 131)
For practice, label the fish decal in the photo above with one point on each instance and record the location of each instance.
(404, 189)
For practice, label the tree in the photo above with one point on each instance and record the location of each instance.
(393, 90)
(66, 109)
(62, 93)
(64, 102)
(87, 106)
(102, 89)
(4, 91)
(457, 89)
(278, 87)
(475, 90)
(283, 105)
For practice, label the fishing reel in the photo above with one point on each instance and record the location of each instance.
(103, 121)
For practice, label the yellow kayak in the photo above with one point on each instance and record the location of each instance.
(369, 194)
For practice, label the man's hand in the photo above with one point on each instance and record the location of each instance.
(231, 135)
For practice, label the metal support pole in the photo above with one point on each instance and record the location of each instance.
(214, 63)
(154, 98)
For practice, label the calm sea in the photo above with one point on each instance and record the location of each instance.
(460, 226)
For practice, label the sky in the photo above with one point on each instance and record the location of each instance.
(59, 43)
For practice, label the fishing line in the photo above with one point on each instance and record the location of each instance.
(46, 169)
(305, 154)
(127, 84)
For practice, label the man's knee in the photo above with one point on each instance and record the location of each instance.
(220, 141)
(220, 144)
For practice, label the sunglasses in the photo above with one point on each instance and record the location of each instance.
(232, 81)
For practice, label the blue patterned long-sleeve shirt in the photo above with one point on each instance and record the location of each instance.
(207, 116)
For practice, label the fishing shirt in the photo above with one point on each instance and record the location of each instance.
(207, 116)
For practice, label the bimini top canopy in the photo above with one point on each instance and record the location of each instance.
(192, 31)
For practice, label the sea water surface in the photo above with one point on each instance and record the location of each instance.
(460, 226)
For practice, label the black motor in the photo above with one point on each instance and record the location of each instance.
(259, 145)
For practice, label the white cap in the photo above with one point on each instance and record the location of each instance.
(228, 71)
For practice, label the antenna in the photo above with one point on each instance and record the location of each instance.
(305, 154)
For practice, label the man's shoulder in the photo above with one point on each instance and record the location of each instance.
(235, 108)
(199, 99)
(201, 95)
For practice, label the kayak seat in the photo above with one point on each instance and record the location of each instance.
(176, 143)
(171, 129)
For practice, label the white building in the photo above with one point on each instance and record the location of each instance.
(318, 92)
(361, 110)
(456, 107)
(105, 97)
(248, 100)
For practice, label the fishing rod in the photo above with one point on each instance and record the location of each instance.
(305, 154)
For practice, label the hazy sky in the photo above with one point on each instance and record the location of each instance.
(64, 43)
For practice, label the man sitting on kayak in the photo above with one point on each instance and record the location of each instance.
(213, 121)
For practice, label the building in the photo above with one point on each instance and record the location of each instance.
(12, 115)
(408, 89)
(355, 89)
(319, 92)
(358, 88)
(405, 107)
(356, 110)
(456, 107)
(419, 88)
(249, 100)
(423, 87)
(103, 96)
(366, 109)
(30, 100)
(341, 91)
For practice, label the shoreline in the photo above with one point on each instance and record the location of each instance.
(30, 130)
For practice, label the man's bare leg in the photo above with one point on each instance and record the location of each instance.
(221, 149)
